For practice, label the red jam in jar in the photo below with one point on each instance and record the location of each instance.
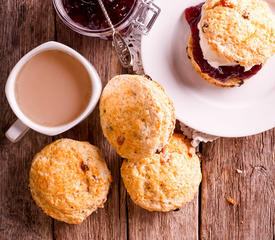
(223, 73)
(89, 14)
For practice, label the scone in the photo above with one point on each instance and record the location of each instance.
(136, 115)
(230, 39)
(166, 180)
(69, 180)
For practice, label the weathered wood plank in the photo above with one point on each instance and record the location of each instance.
(110, 222)
(254, 189)
(179, 225)
(176, 225)
(24, 25)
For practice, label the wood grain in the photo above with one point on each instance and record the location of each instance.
(254, 189)
(177, 225)
(110, 222)
(24, 25)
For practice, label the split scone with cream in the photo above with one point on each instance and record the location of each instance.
(136, 115)
(69, 180)
(165, 181)
(230, 39)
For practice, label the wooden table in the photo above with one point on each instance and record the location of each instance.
(24, 24)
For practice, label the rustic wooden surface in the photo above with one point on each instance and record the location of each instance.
(253, 217)
(24, 25)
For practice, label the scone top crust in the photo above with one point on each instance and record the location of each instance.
(137, 116)
(164, 181)
(242, 31)
(69, 180)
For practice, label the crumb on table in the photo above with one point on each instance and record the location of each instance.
(239, 171)
(230, 200)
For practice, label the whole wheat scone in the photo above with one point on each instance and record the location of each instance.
(137, 117)
(164, 181)
(69, 180)
(233, 82)
(242, 31)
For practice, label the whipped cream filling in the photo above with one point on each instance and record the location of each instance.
(211, 56)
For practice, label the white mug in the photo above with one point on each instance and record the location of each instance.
(23, 123)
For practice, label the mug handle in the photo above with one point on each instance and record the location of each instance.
(16, 131)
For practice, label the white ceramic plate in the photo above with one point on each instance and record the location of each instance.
(236, 112)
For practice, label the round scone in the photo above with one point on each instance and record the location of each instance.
(230, 39)
(164, 181)
(136, 115)
(69, 180)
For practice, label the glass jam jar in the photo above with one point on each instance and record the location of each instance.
(86, 17)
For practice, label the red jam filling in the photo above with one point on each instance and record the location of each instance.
(223, 73)
(89, 14)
